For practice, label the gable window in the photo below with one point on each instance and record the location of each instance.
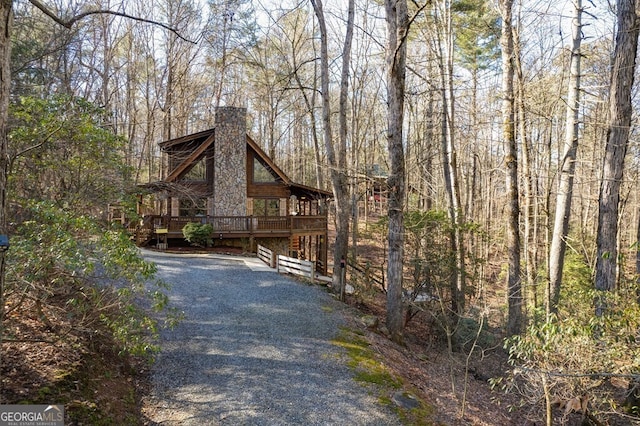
(198, 172)
(266, 207)
(261, 174)
(197, 207)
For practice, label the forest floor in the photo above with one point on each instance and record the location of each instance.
(47, 359)
(454, 383)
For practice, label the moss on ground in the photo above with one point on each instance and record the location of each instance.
(369, 370)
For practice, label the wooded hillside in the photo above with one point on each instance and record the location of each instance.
(489, 146)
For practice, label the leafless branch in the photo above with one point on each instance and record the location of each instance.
(70, 22)
(405, 31)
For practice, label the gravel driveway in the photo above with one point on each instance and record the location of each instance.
(254, 349)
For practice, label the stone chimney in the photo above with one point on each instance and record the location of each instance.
(230, 153)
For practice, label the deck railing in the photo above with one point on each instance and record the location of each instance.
(240, 224)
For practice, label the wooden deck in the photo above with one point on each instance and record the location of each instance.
(238, 226)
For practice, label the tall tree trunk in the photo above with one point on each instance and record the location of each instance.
(567, 167)
(530, 245)
(514, 285)
(337, 162)
(638, 257)
(226, 14)
(167, 123)
(445, 46)
(472, 180)
(452, 181)
(6, 18)
(426, 156)
(316, 143)
(342, 124)
(397, 26)
(622, 76)
(310, 103)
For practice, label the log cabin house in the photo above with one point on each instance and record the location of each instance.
(222, 177)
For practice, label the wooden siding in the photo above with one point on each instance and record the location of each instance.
(277, 189)
(186, 164)
(264, 190)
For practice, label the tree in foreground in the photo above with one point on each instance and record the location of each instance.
(76, 291)
(620, 111)
(336, 155)
(397, 29)
(56, 254)
(515, 318)
(567, 167)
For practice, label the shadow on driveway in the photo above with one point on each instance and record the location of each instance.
(254, 349)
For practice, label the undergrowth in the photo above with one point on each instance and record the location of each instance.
(77, 319)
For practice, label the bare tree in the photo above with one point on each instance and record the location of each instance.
(176, 73)
(227, 34)
(337, 160)
(620, 109)
(298, 39)
(530, 225)
(397, 28)
(446, 47)
(514, 284)
(637, 249)
(567, 166)
(6, 18)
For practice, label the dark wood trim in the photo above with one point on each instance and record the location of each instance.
(191, 160)
(187, 138)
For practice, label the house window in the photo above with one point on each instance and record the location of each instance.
(260, 173)
(198, 172)
(197, 207)
(266, 207)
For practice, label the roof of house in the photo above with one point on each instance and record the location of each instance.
(207, 139)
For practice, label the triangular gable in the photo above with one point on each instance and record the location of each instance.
(267, 160)
(191, 160)
(197, 154)
(252, 148)
(302, 189)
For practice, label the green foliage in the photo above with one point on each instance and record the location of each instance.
(577, 293)
(471, 332)
(478, 32)
(63, 151)
(430, 259)
(198, 234)
(66, 166)
(429, 252)
(240, 31)
(577, 353)
(33, 42)
(427, 247)
(97, 272)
